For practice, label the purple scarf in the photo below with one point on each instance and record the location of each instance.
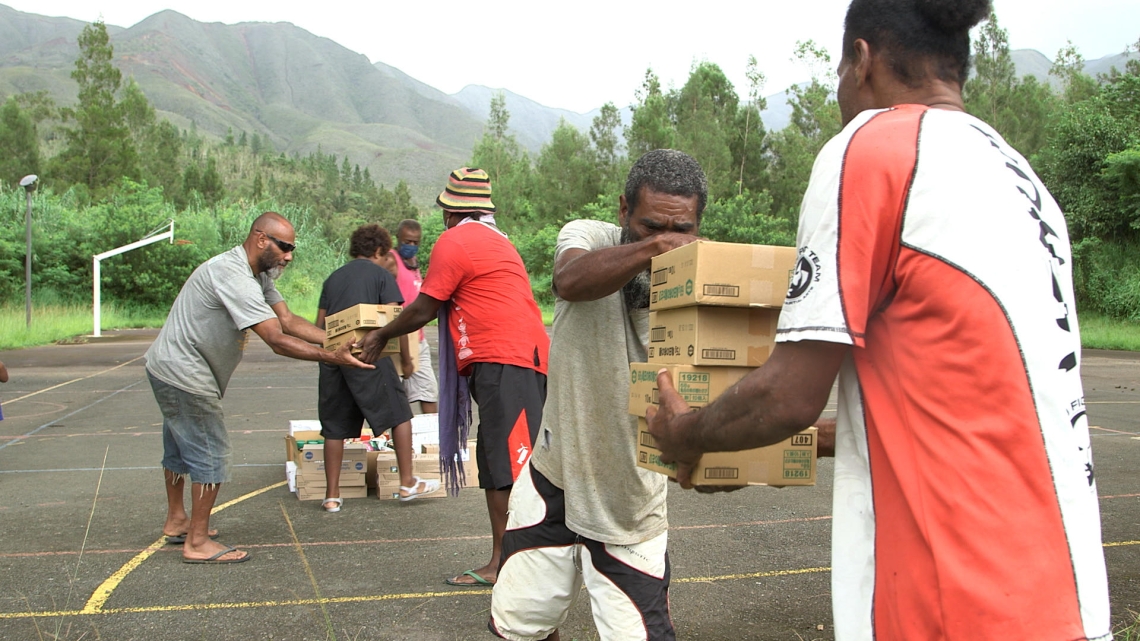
(454, 409)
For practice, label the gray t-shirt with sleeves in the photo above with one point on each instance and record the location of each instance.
(204, 336)
(588, 442)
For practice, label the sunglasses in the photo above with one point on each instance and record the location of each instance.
(282, 245)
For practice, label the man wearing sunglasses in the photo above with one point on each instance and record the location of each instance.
(191, 361)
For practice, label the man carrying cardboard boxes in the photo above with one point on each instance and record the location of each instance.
(190, 363)
(582, 511)
(348, 397)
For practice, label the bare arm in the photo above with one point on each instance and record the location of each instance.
(581, 275)
(422, 310)
(777, 400)
(3, 373)
(294, 325)
(281, 343)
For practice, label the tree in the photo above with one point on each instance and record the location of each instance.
(705, 113)
(1069, 67)
(751, 111)
(99, 149)
(567, 170)
(18, 139)
(1018, 110)
(652, 126)
(500, 155)
(607, 146)
(814, 120)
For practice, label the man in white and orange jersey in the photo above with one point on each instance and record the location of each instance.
(935, 277)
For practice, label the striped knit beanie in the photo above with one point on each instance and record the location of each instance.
(468, 192)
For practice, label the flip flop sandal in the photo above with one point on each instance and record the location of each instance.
(217, 560)
(335, 508)
(479, 582)
(430, 486)
(179, 539)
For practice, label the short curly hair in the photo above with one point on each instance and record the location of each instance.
(367, 239)
(667, 171)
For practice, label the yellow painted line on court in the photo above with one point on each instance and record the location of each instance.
(246, 605)
(752, 575)
(103, 592)
(74, 380)
(393, 597)
(1118, 544)
(308, 568)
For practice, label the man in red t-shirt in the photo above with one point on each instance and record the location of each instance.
(498, 342)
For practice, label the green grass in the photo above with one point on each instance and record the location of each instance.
(62, 321)
(57, 322)
(1099, 332)
(1131, 631)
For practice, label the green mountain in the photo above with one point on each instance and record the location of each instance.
(297, 90)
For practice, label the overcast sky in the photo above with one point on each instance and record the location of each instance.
(579, 55)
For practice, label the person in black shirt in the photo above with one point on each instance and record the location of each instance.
(347, 397)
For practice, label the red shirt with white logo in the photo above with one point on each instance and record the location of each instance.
(494, 318)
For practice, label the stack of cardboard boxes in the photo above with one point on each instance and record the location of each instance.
(713, 314)
(305, 465)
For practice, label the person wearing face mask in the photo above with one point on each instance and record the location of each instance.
(190, 364)
(421, 384)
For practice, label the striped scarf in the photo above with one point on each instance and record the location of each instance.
(454, 409)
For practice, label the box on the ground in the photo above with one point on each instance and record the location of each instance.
(362, 316)
(315, 493)
(317, 479)
(308, 453)
(725, 336)
(789, 462)
(728, 274)
(425, 430)
(697, 385)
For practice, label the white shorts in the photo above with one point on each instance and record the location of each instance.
(421, 385)
(545, 566)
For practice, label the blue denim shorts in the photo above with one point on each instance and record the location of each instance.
(194, 438)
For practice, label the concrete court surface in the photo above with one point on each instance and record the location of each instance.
(81, 509)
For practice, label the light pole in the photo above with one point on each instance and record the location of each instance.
(29, 184)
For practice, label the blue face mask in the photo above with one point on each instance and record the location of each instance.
(407, 252)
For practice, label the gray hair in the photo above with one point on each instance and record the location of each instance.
(667, 171)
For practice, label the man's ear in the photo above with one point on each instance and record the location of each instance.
(861, 65)
(623, 211)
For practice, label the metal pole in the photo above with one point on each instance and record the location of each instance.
(28, 264)
(98, 299)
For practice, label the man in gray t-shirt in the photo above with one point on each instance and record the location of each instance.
(610, 533)
(190, 363)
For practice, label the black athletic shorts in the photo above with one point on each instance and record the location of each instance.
(347, 396)
(510, 400)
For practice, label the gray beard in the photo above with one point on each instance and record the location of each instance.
(635, 293)
(275, 272)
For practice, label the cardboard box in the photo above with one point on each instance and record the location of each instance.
(696, 384)
(311, 458)
(356, 336)
(726, 274)
(413, 353)
(317, 479)
(789, 462)
(361, 316)
(317, 493)
(729, 336)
